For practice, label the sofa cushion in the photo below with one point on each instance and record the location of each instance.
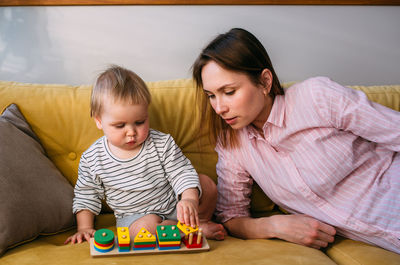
(232, 251)
(49, 107)
(349, 252)
(35, 199)
(388, 96)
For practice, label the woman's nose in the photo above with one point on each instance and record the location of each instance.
(220, 107)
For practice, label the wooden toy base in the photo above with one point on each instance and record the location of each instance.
(116, 252)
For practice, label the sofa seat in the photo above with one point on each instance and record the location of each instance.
(51, 250)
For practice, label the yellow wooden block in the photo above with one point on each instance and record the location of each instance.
(169, 243)
(103, 248)
(186, 229)
(123, 235)
(144, 236)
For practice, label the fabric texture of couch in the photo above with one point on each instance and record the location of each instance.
(42, 137)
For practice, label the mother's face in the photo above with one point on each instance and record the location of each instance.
(235, 98)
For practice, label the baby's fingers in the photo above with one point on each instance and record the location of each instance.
(79, 238)
(186, 216)
(192, 217)
(69, 239)
(87, 236)
(180, 214)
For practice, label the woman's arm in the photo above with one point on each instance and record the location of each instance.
(299, 229)
(234, 190)
(350, 110)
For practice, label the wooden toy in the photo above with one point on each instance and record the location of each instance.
(144, 240)
(191, 238)
(170, 242)
(194, 240)
(186, 229)
(168, 237)
(103, 240)
(124, 240)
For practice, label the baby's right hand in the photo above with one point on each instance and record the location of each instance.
(80, 236)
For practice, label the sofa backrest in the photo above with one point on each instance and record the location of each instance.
(59, 115)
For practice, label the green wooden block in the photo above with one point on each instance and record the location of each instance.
(104, 236)
(124, 248)
(143, 243)
(168, 233)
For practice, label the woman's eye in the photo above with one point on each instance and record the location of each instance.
(210, 96)
(230, 92)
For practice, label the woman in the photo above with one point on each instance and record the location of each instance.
(322, 151)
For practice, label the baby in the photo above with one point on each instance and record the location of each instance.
(141, 172)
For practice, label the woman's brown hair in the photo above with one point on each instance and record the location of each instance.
(240, 51)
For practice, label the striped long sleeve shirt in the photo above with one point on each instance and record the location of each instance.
(328, 152)
(147, 183)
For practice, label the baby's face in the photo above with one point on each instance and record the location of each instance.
(125, 125)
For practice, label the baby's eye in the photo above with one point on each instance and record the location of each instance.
(139, 122)
(119, 126)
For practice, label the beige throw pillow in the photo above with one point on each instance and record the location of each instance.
(35, 199)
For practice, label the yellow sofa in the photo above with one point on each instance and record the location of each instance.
(59, 116)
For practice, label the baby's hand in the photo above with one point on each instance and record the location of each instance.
(80, 236)
(187, 212)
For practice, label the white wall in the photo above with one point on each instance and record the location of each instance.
(350, 44)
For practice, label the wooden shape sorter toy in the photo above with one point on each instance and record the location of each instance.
(167, 240)
(194, 240)
(186, 229)
(144, 240)
(103, 240)
(124, 240)
(168, 237)
(193, 236)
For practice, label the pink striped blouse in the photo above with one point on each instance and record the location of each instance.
(327, 152)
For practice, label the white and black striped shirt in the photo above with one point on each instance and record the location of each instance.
(147, 183)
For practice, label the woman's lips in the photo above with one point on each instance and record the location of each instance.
(231, 120)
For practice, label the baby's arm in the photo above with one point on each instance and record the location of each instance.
(188, 207)
(85, 230)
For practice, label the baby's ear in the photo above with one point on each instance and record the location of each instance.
(97, 120)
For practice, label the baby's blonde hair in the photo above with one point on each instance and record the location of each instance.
(122, 85)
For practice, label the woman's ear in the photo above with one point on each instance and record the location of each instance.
(266, 81)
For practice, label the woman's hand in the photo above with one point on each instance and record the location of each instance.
(187, 209)
(80, 236)
(302, 229)
(296, 228)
